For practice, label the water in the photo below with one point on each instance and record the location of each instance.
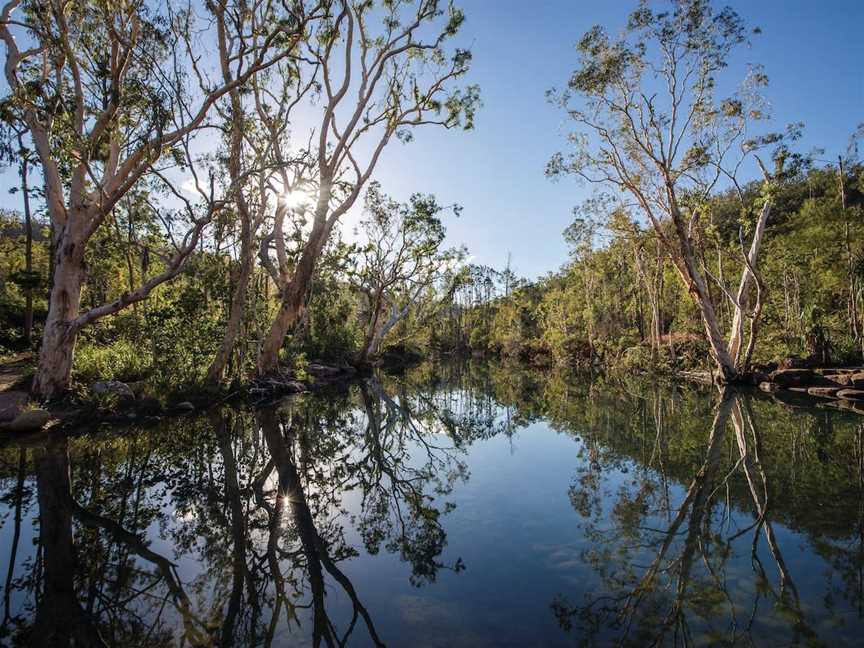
(471, 506)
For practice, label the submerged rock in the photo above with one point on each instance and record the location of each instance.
(793, 377)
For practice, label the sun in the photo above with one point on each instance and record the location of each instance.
(296, 198)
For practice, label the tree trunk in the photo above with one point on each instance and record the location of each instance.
(736, 338)
(685, 263)
(28, 247)
(293, 299)
(238, 308)
(54, 370)
(371, 332)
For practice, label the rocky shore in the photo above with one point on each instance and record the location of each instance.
(833, 386)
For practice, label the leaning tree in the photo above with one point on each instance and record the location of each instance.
(649, 122)
(401, 257)
(384, 69)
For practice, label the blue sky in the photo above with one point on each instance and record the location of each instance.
(812, 52)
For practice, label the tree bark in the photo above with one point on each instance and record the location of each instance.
(736, 338)
(293, 298)
(28, 245)
(238, 307)
(54, 370)
(685, 263)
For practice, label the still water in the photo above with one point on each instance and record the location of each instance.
(470, 506)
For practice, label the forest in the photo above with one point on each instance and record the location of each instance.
(190, 221)
(431, 323)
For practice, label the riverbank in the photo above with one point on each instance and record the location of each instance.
(113, 402)
(116, 403)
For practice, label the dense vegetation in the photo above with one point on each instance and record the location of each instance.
(183, 216)
(617, 302)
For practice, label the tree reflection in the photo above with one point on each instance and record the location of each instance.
(701, 522)
(662, 567)
(229, 529)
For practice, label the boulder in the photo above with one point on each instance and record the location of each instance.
(851, 394)
(794, 377)
(29, 421)
(843, 379)
(137, 386)
(322, 370)
(112, 387)
(856, 380)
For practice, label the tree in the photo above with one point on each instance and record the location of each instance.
(104, 96)
(403, 81)
(251, 149)
(401, 259)
(652, 127)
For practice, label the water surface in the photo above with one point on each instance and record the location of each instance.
(460, 506)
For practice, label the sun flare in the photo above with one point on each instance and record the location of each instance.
(296, 198)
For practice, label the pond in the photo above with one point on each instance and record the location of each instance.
(479, 505)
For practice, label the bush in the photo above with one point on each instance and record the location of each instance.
(121, 360)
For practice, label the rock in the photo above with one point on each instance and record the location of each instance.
(850, 406)
(112, 387)
(769, 387)
(793, 377)
(295, 386)
(322, 370)
(856, 380)
(184, 406)
(825, 392)
(843, 379)
(794, 362)
(29, 421)
(11, 404)
(851, 394)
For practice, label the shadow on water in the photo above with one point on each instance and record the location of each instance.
(685, 519)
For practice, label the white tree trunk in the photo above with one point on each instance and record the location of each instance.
(54, 370)
(736, 336)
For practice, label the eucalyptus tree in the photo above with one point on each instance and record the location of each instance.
(401, 259)
(105, 94)
(385, 69)
(650, 124)
(256, 116)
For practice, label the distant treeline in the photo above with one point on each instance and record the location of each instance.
(618, 301)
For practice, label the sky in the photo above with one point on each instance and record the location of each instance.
(812, 52)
